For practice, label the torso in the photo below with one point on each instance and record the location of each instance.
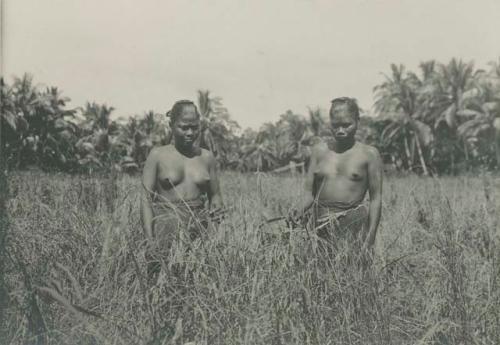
(341, 177)
(180, 177)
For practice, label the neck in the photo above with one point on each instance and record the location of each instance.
(186, 150)
(344, 145)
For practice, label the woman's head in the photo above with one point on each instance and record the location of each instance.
(185, 122)
(344, 118)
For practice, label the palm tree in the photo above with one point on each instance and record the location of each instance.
(259, 152)
(457, 82)
(57, 133)
(96, 116)
(94, 146)
(242, 146)
(38, 129)
(292, 131)
(137, 137)
(494, 78)
(397, 99)
(14, 124)
(318, 125)
(463, 101)
(217, 128)
(481, 115)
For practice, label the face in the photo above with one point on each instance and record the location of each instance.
(187, 126)
(343, 125)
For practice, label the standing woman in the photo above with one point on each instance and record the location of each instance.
(342, 171)
(176, 180)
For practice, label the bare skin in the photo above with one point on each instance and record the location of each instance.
(181, 171)
(343, 171)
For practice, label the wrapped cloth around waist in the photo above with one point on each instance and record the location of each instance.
(188, 207)
(338, 206)
(179, 213)
(341, 217)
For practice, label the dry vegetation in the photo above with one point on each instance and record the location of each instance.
(76, 272)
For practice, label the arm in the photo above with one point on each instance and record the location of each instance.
(375, 191)
(214, 193)
(309, 184)
(148, 190)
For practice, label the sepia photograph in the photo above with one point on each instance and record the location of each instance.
(247, 172)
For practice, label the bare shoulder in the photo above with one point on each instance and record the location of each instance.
(159, 151)
(319, 150)
(371, 153)
(207, 156)
(153, 154)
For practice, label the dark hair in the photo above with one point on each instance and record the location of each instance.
(176, 110)
(349, 103)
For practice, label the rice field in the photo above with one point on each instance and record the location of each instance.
(76, 271)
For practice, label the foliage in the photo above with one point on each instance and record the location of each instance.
(445, 119)
(38, 129)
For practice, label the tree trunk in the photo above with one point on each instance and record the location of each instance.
(421, 155)
(4, 225)
(453, 170)
(408, 154)
(496, 137)
(466, 151)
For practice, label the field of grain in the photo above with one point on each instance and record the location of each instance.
(76, 271)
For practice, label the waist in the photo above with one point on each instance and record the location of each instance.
(178, 205)
(347, 218)
(337, 206)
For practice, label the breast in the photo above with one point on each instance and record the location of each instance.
(200, 176)
(197, 171)
(356, 176)
(170, 179)
(328, 168)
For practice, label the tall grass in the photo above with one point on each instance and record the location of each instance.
(76, 269)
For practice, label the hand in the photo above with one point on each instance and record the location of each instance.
(294, 218)
(217, 214)
(366, 254)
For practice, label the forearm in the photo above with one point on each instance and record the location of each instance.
(375, 209)
(215, 201)
(147, 218)
(306, 203)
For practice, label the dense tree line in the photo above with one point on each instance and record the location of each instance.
(445, 119)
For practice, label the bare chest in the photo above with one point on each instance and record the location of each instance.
(173, 172)
(351, 166)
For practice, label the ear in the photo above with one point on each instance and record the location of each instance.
(169, 118)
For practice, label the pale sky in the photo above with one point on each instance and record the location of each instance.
(261, 56)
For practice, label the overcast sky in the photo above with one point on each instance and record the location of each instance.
(261, 56)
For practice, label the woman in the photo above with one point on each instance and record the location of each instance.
(176, 179)
(341, 173)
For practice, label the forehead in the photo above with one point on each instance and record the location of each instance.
(188, 114)
(342, 115)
